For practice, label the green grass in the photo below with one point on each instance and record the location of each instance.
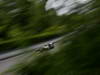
(24, 41)
(48, 32)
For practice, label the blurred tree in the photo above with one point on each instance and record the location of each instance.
(23, 19)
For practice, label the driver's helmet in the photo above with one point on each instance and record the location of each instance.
(51, 45)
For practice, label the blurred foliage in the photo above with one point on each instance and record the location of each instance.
(23, 21)
(81, 56)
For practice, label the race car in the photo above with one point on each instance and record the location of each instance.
(47, 47)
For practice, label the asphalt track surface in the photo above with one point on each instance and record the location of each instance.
(8, 59)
